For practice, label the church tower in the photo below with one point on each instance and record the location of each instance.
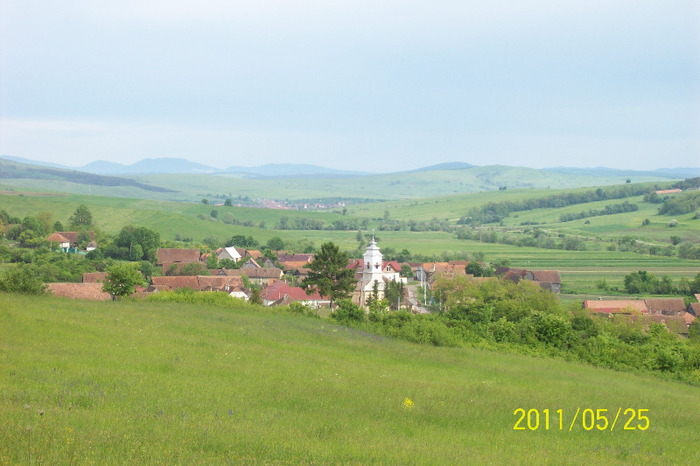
(372, 271)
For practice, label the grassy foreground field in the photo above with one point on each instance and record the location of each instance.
(124, 382)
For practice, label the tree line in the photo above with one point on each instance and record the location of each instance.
(494, 212)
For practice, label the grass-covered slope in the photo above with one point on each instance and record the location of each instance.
(388, 186)
(123, 382)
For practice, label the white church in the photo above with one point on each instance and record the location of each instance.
(370, 270)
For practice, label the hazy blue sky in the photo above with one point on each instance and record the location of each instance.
(368, 85)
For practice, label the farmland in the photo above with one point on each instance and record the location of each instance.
(150, 382)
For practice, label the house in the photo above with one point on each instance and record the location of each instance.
(666, 306)
(307, 258)
(671, 312)
(175, 282)
(279, 293)
(197, 283)
(251, 264)
(68, 240)
(674, 324)
(289, 266)
(229, 253)
(694, 308)
(259, 276)
(430, 271)
(167, 257)
(267, 264)
(60, 240)
(549, 280)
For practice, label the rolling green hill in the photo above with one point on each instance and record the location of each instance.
(391, 186)
(134, 382)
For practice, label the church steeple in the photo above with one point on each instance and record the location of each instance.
(372, 262)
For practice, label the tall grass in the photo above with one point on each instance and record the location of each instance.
(125, 382)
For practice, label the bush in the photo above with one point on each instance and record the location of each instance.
(24, 279)
(347, 311)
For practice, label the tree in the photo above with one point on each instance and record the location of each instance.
(255, 296)
(194, 268)
(81, 218)
(228, 202)
(329, 274)
(275, 243)
(141, 242)
(212, 262)
(122, 279)
(406, 271)
(393, 294)
(474, 268)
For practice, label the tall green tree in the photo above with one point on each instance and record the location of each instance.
(81, 218)
(122, 279)
(329, 274)
(141, 242)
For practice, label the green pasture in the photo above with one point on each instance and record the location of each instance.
(144, 383)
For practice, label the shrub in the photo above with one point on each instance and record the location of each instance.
(24, 279)
(347, 311)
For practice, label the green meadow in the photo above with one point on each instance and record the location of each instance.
(135, 382)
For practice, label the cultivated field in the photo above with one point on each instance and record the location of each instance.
(124, 382)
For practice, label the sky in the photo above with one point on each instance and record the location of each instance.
(354, 85)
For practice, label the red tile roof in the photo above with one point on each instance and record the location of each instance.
(279, 290)
(176, 282)
(546, 276)
(177, 255)
(616, 306)
(57, 238)
(89, 291)
(94, 277)
(668, 306)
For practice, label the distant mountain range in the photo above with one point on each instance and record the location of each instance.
(169, 165)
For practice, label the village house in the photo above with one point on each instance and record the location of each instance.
(167, 257)
(694, 308)
(196, 283)
(259, 276)
(428, 272)
(671, 312)
(68, 241)
(229, 253)
(548, 279)
(279, 293)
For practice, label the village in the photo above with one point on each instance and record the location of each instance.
(277, 277)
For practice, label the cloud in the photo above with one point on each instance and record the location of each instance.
(309, 78)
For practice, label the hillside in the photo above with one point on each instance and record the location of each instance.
(189, 184)
(149, 383)
(54, 178)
